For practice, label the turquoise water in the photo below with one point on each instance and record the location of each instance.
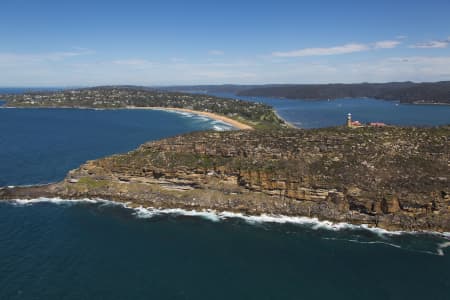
(59, 250)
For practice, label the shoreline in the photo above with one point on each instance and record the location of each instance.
(213, 116)
(289, 124)
(220, 215)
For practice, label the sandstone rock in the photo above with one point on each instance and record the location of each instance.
(289, 172)
(390, 205)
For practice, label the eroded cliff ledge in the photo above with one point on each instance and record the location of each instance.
(394, 178)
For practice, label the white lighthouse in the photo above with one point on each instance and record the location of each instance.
(349, 120)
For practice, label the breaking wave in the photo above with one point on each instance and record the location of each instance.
(441, 247)
(370, 235)
(59, 201)
(216, 125)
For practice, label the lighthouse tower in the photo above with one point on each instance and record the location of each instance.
(349, 120)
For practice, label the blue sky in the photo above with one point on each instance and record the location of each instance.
(71, 43)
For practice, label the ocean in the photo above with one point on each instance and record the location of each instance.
(53, 249)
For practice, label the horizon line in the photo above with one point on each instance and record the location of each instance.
(213, 84)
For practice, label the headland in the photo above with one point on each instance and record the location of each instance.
(387, 177)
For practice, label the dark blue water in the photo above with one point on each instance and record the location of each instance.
(104, 251)
(90, 251)
(41, 145)
(326, 113)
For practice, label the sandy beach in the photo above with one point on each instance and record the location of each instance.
(213, 116)
(234, 123)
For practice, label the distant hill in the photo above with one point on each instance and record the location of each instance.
(406, 92)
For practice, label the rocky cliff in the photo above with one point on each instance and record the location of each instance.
(394, 178)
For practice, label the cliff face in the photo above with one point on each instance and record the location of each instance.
(395, 178)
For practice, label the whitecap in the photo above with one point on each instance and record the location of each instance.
(58, 201)
(149, 212)
(217, 125)
(315, 223)
(220, 122)
(219, 128)
(201, 118)
(441, 247)
(366, 242)
(213, 215)
(185, 114)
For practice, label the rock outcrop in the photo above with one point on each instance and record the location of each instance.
(394, 178)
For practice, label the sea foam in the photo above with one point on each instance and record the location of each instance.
(441, 247)
(56, 201)
(217, 125)
(215, 216)
(313, 223)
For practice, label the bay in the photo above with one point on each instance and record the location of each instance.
(325, 113)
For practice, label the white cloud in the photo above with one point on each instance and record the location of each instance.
(132, 62)
(29, 58)
(337, 50)
(386, 44)
(344, 49)
(222, 76)
(432, 44)
(176, 60)
(44, 70)
(216, 52)
(412, 68)
(38, 57)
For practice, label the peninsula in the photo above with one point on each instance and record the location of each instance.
(388, 177)
(240, 114)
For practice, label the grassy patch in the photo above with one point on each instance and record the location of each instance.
(92, 183)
